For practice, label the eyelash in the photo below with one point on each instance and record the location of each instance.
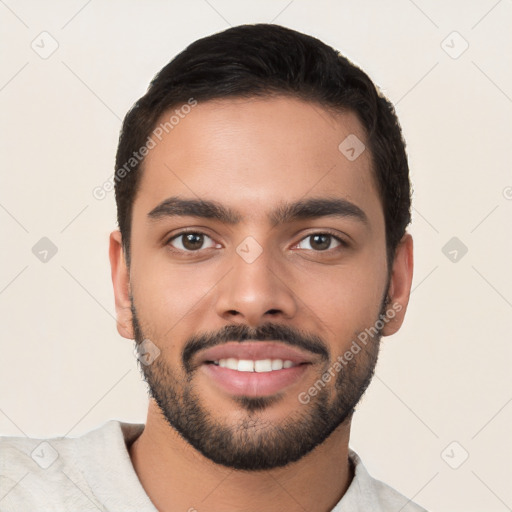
(342, 242)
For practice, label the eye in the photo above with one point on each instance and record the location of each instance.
(322, 242)
(190, 241)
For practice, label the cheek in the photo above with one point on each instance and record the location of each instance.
(344, 300)
(169, 299)
(168, 291)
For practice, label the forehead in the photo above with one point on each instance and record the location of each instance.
(251, 154)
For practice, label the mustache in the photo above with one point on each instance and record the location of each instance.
(265, 332)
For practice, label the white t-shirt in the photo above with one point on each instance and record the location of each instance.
(94, 472)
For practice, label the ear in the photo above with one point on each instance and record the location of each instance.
(121, 282)
(400, 285)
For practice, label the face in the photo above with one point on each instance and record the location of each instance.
(258, 259)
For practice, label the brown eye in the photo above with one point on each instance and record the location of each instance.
(189, 241)
(193, 241)
(322, 242)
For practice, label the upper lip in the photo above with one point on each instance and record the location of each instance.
(254, 350)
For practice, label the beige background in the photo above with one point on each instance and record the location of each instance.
(444, 377)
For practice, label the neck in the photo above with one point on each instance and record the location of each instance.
(170, 470)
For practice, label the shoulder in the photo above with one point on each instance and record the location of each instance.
(32, 454)
(391, 499)
(367, 493)
(42, 474)
(25, 470)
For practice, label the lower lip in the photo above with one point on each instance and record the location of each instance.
(254, 383)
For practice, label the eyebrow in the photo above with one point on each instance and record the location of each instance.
(287, 212)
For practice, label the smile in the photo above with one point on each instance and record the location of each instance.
(260, 365)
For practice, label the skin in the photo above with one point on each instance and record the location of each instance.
(251, 155)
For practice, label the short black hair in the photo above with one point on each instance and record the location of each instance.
(264, 60)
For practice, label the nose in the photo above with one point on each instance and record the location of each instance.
(256, 291)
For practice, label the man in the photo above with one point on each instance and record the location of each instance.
(263, 195)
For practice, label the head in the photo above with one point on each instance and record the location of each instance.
(288, 172)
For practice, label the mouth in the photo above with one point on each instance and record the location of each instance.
(254, 355)
(254, 368)
(249, 365)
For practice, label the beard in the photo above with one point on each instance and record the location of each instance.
(255, 443)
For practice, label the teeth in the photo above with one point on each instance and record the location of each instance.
(277, 364)
(247, 365)
(231, 363)
(265, 365)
